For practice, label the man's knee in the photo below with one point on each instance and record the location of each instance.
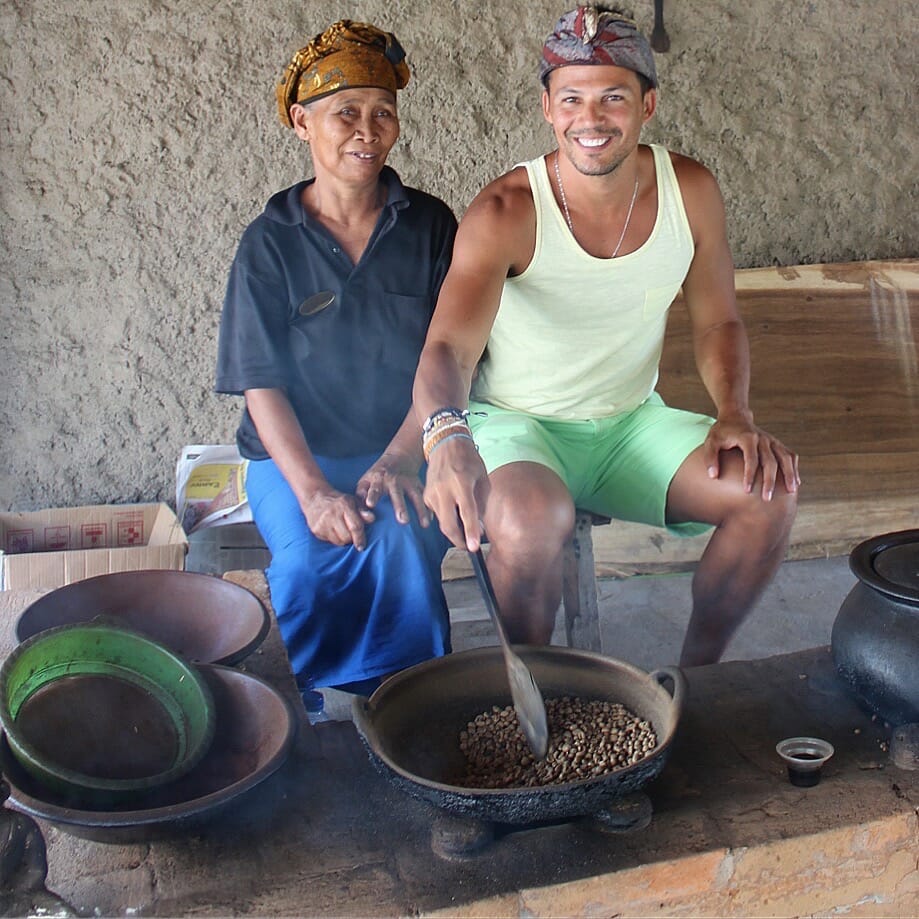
(529, 511)
(770, 521)
(725, 500)
(782, 510)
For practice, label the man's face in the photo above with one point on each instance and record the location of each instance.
(597, 113)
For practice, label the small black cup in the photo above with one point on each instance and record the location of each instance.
(804, 757)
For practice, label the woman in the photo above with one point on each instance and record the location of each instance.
(328, 302)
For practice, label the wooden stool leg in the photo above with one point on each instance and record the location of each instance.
(579, 588)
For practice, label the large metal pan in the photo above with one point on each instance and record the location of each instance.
(255, 730)
(411, 727)
(205, 619)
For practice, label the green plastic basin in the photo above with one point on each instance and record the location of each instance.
(102, 713)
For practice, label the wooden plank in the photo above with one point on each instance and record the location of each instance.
(834, 356)
(822, 529)
(579, 588)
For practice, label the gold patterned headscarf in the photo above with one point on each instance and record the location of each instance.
(347, 55)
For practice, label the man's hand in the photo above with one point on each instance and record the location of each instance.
(394, 475)
(336, 517)
(760, 451)
(456, 491)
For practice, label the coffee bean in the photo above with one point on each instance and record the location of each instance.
(587, 738)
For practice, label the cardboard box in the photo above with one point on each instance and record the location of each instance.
(58, 546)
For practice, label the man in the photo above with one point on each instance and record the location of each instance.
(553, 315)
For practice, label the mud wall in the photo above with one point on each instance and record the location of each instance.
(139, 137)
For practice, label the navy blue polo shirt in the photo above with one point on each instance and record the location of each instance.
(342, 340)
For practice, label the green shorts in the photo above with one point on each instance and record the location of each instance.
(620, 467)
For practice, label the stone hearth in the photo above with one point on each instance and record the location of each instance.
(729, 835)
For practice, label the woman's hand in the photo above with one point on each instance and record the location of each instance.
(396, 476)
(337, 518)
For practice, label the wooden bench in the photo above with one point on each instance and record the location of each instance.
(835, 376)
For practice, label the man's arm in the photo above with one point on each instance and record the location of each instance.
(720, 340)
(491, 241)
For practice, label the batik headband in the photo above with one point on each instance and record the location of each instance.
(347, 55)
(586, 35)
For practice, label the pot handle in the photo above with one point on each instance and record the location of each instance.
(679, 683)
(360, 713)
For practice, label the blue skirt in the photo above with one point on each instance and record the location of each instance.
(348, 616)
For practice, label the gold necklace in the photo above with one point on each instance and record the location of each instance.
(628, 217)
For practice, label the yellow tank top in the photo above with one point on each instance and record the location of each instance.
(578, 337)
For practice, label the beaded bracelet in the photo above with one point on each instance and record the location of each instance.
(447, 412)
(430, 448)
(432, 438)
(446, 425)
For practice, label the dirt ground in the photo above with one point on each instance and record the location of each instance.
(140, 138)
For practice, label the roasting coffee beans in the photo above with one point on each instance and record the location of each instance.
(587, 738)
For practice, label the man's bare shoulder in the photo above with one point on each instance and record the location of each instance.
(692, 175)
(702, 198)
(502, 221)
(507, 198)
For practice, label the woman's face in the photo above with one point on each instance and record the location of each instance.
(350, 133)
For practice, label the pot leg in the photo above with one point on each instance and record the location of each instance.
(904, 746)
(460, 837)
(624, 815)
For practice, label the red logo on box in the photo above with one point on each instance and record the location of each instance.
(57, 538)
(131, 532)
(20, 541)
(93, 535)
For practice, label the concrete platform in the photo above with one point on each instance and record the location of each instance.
(730, 836)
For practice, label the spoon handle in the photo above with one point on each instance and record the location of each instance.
(488, 594)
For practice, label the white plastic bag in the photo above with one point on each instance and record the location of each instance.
(211, 487)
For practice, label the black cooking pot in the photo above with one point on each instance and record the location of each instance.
(411, 727)
(875, 637)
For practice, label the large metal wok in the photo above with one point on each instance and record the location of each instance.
(411, 727)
